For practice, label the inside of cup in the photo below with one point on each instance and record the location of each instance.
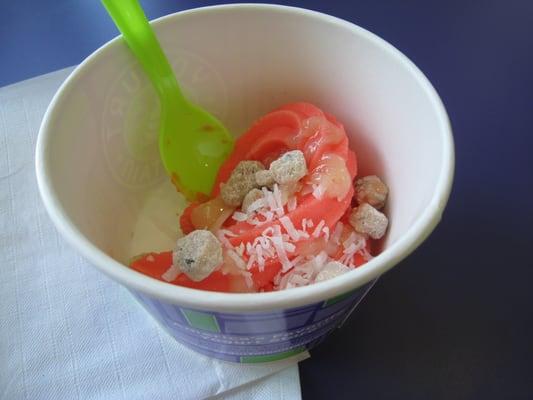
(238, 63)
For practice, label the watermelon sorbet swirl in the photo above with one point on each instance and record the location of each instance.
(286, 211)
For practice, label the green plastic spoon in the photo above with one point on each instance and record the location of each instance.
(192, 143)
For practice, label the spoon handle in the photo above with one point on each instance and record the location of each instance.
(138, 34)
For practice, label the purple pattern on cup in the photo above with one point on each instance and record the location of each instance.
(254, 337)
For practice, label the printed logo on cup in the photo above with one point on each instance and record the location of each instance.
(130, 125)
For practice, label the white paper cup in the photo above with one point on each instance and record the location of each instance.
(97, 159)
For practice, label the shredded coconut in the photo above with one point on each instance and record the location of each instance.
(222, 238)
(285, 263)
(171, 274)
(239, 216)
(248, 279)
(297, 260)
(268, 231)
(251, 197)
(337, 233)
(239, 262)
(249, 248)
(227, 232)
(289, 247)
(277, 279)
(297, 280)
(318, 191)
(278, 201)
(277, 242)
(265, 243)
(303, 234)
(321, 258)
(292, 203)
(251, 262)
(221, 235)
(289, 227)
(260, 259)
(325, 230)
(256, 205)
(318, 229)
(303, 274)
(269, 199)
(350, 249)
(366, 255)
(268, 215)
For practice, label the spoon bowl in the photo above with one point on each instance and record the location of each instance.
(193, 144)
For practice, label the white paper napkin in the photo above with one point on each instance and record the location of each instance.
(66, 330)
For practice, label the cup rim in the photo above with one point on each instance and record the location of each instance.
(244, 302)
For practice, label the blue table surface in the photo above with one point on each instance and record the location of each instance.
(455, 320)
